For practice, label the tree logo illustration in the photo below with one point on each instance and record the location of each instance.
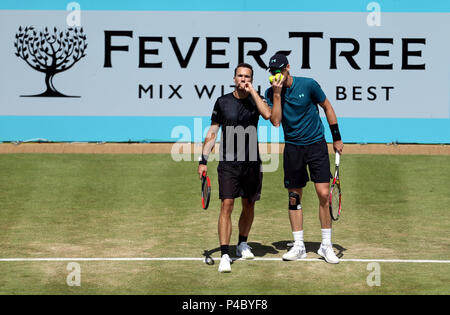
(50, 53)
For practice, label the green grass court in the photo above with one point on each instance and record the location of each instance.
(104, 206)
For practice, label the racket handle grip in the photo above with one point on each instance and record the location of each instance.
(338, 158)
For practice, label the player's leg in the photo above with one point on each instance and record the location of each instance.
(245, 224)
(295, 209)
(295, 178)
(228, 191)
(246, 218)
(251, 184)
(297, 251)
(326, 247)
(323, 192)
(319, 166)
(225, 228)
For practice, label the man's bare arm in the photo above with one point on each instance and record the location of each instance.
(210, 139)
(208, 145)
(261, 104)
(338, 145)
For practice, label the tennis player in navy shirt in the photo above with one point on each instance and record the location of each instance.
(295, 105)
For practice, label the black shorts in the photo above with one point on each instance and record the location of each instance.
(297, 157)
(240, 180)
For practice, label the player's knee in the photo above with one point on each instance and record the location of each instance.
(249, 208)
(323, 198)
(322, 193)
(227, 205)
(294, 201)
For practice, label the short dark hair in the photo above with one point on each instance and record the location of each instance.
(243, 65)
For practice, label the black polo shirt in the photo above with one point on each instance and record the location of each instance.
(239, 121)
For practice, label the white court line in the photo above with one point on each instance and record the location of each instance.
(423, 261)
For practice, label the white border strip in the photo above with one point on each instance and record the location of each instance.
(422, 261)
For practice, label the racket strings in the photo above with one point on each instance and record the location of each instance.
(335, 200)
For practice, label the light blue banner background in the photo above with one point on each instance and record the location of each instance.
(154, 129)
(232, 5)
(159, 128)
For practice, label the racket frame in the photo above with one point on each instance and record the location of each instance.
(336, 183)
(205, 199)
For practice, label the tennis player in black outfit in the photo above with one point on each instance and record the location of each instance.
(239, 169)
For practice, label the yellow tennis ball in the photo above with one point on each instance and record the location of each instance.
(277, 77)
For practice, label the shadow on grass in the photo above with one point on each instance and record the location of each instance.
(260, 250)
(311, 247)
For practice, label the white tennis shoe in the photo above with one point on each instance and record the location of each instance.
(327, 252)
(296, 252)
(244, 251)
(225, 264)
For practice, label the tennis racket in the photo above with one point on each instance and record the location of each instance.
(335, 192)
(206, 190)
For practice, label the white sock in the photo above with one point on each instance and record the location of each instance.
(326, 236)
(298, 238)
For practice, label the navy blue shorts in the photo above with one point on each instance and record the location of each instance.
(297, 158)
